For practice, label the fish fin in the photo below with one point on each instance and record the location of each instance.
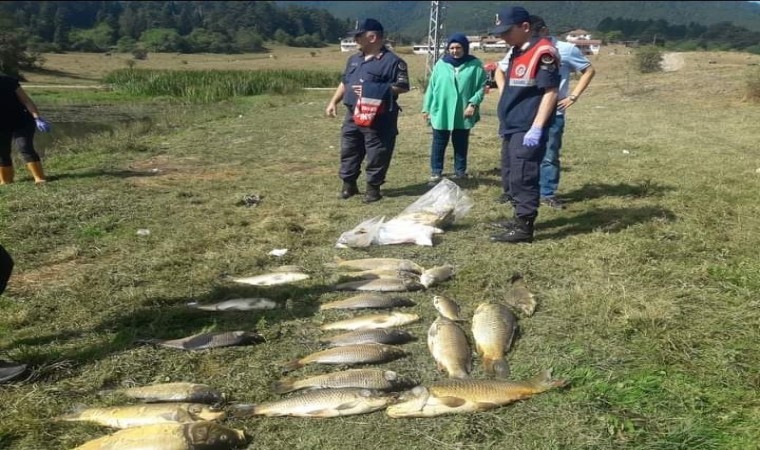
(483, 406)
(292, 365)
(543, 381)
(243, 410)
(452, 402)
(347, 405)
(488, 365)
(283, 386)
(319, 413)
(501, 368)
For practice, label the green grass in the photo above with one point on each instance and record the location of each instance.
(215, 85)
(647, 283)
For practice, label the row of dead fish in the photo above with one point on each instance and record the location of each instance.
(176, 416)
(368, 339)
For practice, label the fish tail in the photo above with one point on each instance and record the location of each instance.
(292, 365)
(488, 365)
(283, 386)
(336, 262)
(543, 381)
(501, 368)
(243, 410)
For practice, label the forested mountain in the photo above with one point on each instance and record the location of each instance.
(173, 26)
(474, 17)
(246, 26)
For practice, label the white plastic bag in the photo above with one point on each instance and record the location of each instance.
(440, 206)
(361, 235)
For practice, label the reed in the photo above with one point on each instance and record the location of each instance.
(206, 86)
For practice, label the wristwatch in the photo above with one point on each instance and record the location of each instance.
(572, 97)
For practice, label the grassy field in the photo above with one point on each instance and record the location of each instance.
(647, 283)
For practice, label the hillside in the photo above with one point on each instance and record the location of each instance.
(411, 18)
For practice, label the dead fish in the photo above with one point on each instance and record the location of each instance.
(388, 336)
(368, 300)
(381, 285)
(460, 396)
(447, 307)
(382, 380)
(10, 370)
(450, 349)
(237, 304)
(435, 275)
(170, 436)
(494, 327)
(368, 321)
(146, 414)
(271, 279)
(403, 265)
(349, 354)
(376, 273)
(320, 403)
(176, 392)
(204, 341)
(519, 297)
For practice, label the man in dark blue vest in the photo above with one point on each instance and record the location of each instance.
(526, 109)
(373, 79)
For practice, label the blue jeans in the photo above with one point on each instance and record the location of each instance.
(460, 140)
(550, 164)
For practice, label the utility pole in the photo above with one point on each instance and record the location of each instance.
(435, 35)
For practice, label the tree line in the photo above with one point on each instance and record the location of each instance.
(693, 36)
(168, 26)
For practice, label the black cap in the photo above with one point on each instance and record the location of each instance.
(367, 25)
(508, 17)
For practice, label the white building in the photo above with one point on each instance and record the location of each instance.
(579, 34)
(348, 45)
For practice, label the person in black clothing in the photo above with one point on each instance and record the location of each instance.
(19, 118)
(526, 109)
(373, 79)
(8, 370)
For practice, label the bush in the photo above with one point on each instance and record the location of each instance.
(648, 59)
(14, 55)
(140, 53)
(126, 44)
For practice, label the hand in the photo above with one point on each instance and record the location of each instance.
(43, 125)
(532, 137)
(565, 103)
(330, 110)
(469, 111)
(426, 117)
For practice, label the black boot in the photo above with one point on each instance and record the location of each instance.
(349, 190)
(522, 232)
(509, 224)
(372, 194)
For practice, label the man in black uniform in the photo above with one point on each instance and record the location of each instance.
(526, 109)
(373, 79)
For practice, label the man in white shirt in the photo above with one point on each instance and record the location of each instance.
(571, 60)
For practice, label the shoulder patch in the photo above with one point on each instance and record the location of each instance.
(401, 65)
(548, 59)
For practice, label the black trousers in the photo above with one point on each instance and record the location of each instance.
(376, 143)
(24, 140)
(520, 173)
(6, 267)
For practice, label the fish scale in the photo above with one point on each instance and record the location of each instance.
(375, 335)
(448, 344)
(352, 378)
(320, 403)
(350, 354)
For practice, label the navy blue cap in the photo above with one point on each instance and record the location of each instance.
(508, 17)
(367, 25)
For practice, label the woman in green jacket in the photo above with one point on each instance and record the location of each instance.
(452, 100)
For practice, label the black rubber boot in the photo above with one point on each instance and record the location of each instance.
(349, 189)
(509, 224)
(372, 194)
(522, 232)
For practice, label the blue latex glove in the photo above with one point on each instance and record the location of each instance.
(532, 137)
(43, 125)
